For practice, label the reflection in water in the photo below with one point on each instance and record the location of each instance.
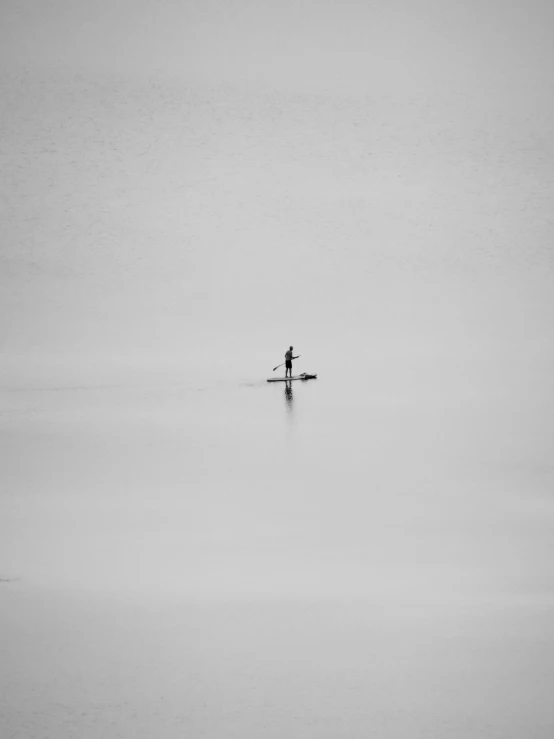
(289, 396)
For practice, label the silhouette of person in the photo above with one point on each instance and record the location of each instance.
(288, 362)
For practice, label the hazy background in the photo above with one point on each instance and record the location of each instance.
(188, 188)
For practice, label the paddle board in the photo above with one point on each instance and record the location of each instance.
(303, 376)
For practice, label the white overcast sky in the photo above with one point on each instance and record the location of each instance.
(419, 128)
(499, 48)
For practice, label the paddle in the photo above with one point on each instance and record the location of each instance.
(280, 365)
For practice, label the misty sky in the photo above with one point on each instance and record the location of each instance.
(182, 172)
(497, 52)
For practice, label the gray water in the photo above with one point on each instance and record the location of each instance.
(187, 550)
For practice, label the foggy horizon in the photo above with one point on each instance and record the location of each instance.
(188, 189)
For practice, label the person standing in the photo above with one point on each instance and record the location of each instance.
(288, 362)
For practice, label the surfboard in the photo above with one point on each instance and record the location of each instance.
(303, 376)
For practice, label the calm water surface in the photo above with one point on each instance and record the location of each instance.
(245, 558)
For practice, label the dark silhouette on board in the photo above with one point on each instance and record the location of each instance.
(288, 362)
